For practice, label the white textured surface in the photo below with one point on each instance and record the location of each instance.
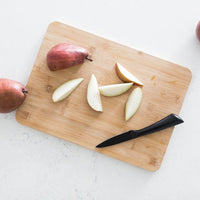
(36, 166)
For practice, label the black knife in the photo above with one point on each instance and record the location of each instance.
(169, 121)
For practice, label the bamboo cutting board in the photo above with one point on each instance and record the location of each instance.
(165, 86)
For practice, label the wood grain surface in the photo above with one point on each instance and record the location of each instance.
(165, 86)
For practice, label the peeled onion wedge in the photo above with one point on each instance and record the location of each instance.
(115, 89)
(65, 89)
(125, 75)
(133, 103)
(93, 95)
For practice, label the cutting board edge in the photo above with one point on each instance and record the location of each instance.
(21, 121)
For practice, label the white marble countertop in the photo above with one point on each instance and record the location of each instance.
(35, 166)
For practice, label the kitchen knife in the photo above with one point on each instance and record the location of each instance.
(169, 121)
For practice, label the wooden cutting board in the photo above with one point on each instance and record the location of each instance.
(165, 86)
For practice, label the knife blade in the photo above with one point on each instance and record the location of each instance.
(169, 121)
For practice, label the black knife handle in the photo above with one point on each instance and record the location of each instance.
(169, 121)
